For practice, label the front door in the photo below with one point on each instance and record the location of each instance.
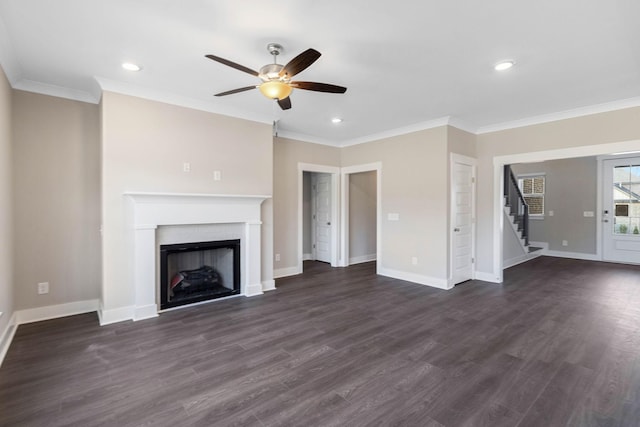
(462, 203)
(621, 210)
(321, 184)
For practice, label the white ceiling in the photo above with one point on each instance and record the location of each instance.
(406, 64)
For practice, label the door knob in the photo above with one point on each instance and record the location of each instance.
(456, 229)
(328, 223)
(605, 220)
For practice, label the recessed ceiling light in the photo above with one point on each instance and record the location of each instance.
(504, 65)
(336, 120)
(131, 67)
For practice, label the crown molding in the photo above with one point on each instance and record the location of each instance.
(57, 91)
(174, 99)
(306, 138)
(562, 115)
(430, 124)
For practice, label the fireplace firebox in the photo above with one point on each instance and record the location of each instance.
(195, 272)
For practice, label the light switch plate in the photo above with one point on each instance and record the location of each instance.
(393, 217)
(588, 214)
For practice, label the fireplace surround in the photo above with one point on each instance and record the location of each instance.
(148, 213)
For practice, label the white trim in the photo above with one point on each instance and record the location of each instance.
(541, 156)
(210, 106)
(115, 315)
(512, 262)
(38, 314)
(253, 289)
(335, 209)
(362, 258)
(286, 272)
(416, 127)
(562, 115)
(469, 161)
(415, 278)
(268, 285)
(487, 277)
(306, 138)
(57, 91)
(145, 312)
(7, 337)
(344, 215)
(307, 257)
(573, 255)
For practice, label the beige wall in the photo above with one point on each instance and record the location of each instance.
(287, 153)
(362, 214)
(414, 173)
(570, 189)
(6, 252)
(144, 145)
(616, 126)
(56, 199)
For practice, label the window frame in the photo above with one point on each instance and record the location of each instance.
(543, 175)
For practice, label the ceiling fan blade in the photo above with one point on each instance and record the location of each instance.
(231, 92)
(233, 65)
(285, 103)
(300, 62)
(319, 87)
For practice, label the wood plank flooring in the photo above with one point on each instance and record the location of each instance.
(558, 344)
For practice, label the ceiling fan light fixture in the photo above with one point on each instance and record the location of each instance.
(275, 89)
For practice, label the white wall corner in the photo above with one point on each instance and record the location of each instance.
(415, 278)
(7, 337)
(268, 285)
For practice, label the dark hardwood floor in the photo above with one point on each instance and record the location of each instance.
(558, 344)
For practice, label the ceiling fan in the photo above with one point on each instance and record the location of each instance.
(276, 78)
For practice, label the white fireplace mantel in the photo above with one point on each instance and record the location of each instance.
(147, 211)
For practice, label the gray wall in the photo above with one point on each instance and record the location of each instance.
(571, 189)
(6, 250)
(56, 199)
(362, 215)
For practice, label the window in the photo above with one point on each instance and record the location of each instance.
(626, 199)
(532, 188)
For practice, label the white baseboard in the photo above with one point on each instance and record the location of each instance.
(253, 289)
(285, 272)
(268, 285)
(115, 315)
(145, 312)
(55, 311)
(415, 278)
(520, 259)
(7, 336)
(573, 255)
(307, 257)
(362, 258)
(487, 277)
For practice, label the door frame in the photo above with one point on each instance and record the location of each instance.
(469, 161)
(334, 171)
(600, 197)
(344, 215)
(496, 276)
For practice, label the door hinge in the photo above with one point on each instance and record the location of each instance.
(314, 246)
(314, 217)
(473, 260)
(473, 180)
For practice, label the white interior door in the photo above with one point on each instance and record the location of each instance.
(621, 210)
(462, 203)
(321, 185)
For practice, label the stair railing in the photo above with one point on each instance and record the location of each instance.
(517, 204)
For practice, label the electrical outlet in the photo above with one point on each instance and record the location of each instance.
(393, 217)
(217, 175)
(277, 257)
(551, 213)
(565, 243)
(588, 214)
(186, 167)
(43, 288)
(414, 260)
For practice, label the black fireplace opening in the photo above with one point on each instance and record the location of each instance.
(195, 272)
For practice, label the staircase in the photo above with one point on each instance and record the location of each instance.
(516, 208)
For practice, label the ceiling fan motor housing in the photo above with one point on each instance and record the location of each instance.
(271, 72)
